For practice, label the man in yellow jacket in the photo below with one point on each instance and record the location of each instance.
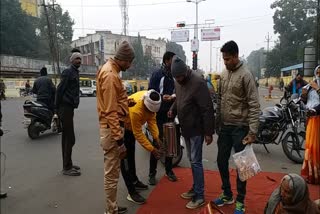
(144, 111)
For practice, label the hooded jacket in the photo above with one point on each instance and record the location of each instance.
(194, 107)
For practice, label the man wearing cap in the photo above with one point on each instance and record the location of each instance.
(112, 106)
(195, 113)
(147, 104)
(44, 88)
(67, 99)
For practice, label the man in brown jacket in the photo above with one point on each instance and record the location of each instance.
(112, 104)
(238, 117)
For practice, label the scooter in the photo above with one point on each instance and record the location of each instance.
(39, 118)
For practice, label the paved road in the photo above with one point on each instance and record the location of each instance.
(32, 173)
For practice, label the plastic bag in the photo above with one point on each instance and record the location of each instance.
(246, 163)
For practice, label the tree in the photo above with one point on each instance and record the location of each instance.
(294, 21)
(256, 60)
(177, 49)
(18, 30)
(61, 25)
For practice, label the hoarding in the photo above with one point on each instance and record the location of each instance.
(180, 36)
(210, 34)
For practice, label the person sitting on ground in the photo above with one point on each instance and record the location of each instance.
(292, 196)
(147, 104)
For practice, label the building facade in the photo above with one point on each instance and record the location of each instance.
(98, 47)
(31, 7)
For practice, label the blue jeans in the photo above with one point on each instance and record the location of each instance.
(194, 152)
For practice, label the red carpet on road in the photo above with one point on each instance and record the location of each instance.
(165, 198)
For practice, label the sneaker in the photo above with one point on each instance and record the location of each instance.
(140, 186)
(223, 200)
(76, 167)
(122, 210)
(239, 208)
(136, 198)
(188, 195)
(152, 180)
(171, 176)
(194, 204)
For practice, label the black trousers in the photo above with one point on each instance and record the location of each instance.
(66, 114)
(231, 137)
(161, 119)
(128, 164)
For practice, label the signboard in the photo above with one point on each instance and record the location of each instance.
(210, 34)
(195, 45)
(180, 36)
(309, 61)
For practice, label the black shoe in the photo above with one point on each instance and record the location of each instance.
(140, 186)
(152, 180)
(3, 194)
(76, 167)
(171, 176)
(122, 210)
(71, 172)
(136, 198)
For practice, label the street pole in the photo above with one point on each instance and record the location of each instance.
(210, 56)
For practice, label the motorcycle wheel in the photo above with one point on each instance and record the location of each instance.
(175, 160)
(33, 131)
(290, 144)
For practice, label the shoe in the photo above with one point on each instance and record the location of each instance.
(152, 180)
(136, 198)
(140, 186)
(120, 210)
(71, 172)
(223, 200)
(3, 194)
(239, 208)
(188, 195)
(194, 204)
(171, 176)
(76, 167)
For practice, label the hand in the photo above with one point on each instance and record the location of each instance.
(304, 91)
(158, 143)
(250, 138)
(170, 114)
(314, 85)
(131, 102)
(156, 153)
(122, 151)
(208, 139)
(167, 98)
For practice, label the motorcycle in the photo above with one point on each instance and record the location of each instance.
(283, 120)
(176, 159)
(39, 118)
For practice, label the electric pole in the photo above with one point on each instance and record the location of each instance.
(51, 41)
(268, 39)
(56, 43)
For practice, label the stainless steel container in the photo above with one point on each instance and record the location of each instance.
(170, 139)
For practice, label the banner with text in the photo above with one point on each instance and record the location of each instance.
(180, 36)
(210, 34)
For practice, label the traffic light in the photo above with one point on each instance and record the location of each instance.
(181, 24)
(194, 61)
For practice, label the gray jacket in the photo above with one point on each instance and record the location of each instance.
(238, 102)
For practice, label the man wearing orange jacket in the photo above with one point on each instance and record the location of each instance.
(144, 111)
(112, 104)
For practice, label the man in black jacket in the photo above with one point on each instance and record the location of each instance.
(67, 100)
(163, 82)
(44, 88)
(195, 113)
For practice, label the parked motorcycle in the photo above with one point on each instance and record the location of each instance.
(180, 146)
(39, 118)
(283, 120)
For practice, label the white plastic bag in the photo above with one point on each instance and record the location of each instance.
(246, 163)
